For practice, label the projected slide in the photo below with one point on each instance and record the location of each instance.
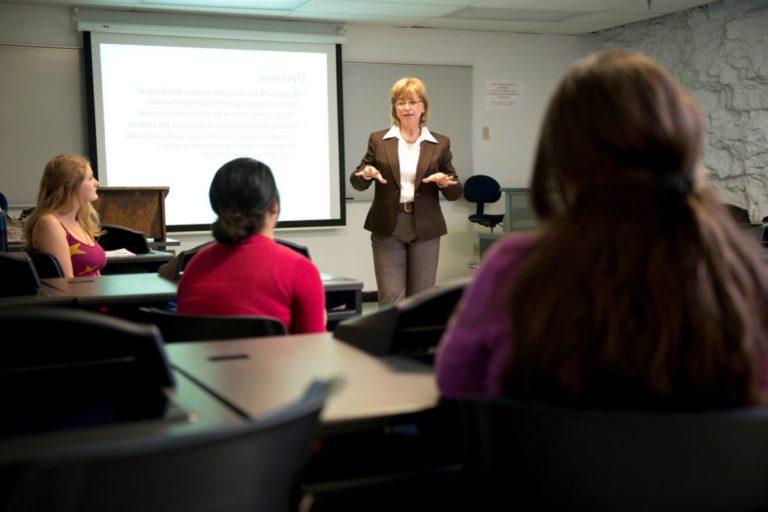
(172, 115)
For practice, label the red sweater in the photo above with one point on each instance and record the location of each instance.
(256, 277)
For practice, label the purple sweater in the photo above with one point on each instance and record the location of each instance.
(473, 350)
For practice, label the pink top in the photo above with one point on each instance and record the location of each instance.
(87, 260)
(255, 277)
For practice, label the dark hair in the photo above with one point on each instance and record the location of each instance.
(641, 290)
(242, 193)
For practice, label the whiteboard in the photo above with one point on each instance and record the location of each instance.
(43, 111)
(366, 110)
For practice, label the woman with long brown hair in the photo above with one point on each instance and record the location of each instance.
(639, 290)
(64, 222)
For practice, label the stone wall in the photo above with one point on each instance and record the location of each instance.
(719, 52)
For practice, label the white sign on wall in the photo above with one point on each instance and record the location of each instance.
(502, 94)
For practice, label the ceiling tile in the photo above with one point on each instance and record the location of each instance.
(660, 6)
(567, 28)
(249, 5)
(395, 21)
(485, 25)
(475, 13)
(358, 8)
(551, 5)
(459, 3)
(614, 17)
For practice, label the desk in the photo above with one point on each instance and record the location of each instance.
(136, 263)
(343, 298)
(164, 244)
(258, 375)
(362, 454)
(343, 295)
(46, 296)
(207, 413)
(141, 289)
(517, 210)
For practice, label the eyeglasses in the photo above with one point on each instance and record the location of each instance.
(409, 103)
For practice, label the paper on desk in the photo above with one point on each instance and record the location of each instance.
(119, 253)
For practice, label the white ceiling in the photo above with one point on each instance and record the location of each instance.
(527, 16)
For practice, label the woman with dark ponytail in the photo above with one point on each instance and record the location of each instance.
(246, 272)
(639, 291)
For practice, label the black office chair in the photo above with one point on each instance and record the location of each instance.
(175, 268)
(253, 466)
(17, 274)
(119, 237)
(537, 457)
(301, 249)
(412, 327)
(176, 327)
(482, 189)
(74, 367)
(3, 202)
(184, 257)
(46, 264)
(739, 214)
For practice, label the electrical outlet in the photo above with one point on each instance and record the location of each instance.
(486, 132)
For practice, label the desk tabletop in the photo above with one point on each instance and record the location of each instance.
(258, 375)
(152, 256)
(142, 288)
(115, 288)
(45, 296)
(193, 410)
(331, 282)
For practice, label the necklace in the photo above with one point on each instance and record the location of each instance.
(412, 140)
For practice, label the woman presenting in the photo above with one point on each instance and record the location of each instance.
(409, 165)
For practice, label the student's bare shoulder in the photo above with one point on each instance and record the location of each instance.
(49, 222)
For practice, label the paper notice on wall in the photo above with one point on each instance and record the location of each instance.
(502, 94)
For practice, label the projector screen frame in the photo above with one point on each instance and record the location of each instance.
(93, 149)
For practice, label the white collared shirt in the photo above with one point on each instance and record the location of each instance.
(409, 159)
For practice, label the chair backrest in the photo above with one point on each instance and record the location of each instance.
(739, 214)
(176, 327)
(536, 457)
(74, 362)
(245, 468)
(46, 264)
(185, 257)
(301, 249)
(412, 327)
(17, 274)
(119, 237)
(481, 189)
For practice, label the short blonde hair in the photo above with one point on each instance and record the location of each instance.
(408, 86)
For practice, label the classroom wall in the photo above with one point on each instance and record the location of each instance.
(719, 52)
(535, 61)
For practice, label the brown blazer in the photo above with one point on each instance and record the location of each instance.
(382, 154)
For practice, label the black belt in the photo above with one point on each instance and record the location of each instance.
(405, 207)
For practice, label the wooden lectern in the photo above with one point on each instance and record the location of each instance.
(139, 208)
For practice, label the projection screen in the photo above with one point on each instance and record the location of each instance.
(169, 111)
